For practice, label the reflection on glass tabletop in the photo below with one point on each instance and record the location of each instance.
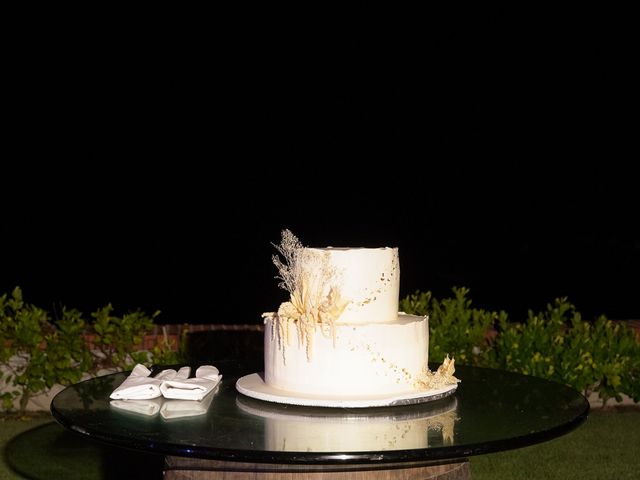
(490, 411)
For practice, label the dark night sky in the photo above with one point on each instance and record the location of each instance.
(155, 177)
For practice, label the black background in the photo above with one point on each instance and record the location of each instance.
(152, 168)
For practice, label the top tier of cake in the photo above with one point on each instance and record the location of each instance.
(366, 281)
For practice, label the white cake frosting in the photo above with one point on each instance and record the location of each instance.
(341, 333)
(362, 359)
(368, 280)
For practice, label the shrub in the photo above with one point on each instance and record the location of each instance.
(66, 351)
(37, 352)
(115, 338)
(559, 345)
(615, 359)
(455, 329)
(556, 344)
(22, 332)
(537, 346)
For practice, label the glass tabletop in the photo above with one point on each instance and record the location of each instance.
(491, 410)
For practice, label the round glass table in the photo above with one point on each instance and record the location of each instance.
(229, 433)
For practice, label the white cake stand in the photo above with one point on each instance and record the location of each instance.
(254, 386)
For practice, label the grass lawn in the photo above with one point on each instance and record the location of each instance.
(605, 446)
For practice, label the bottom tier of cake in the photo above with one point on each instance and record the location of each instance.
(351, 360)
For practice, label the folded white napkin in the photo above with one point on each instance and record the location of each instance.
(207, 377)
(186, 408)
(140, 386)
(143, 407)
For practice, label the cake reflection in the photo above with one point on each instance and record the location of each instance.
(307, 429)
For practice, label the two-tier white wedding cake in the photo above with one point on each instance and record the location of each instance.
(340, 334)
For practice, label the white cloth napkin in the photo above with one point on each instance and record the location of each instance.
(140, 386)
(206, 379)
(143, 407)
(186, 408)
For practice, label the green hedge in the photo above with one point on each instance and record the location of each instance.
(37, 351)
(556, 344)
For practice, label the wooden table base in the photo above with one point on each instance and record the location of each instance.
(183, 468)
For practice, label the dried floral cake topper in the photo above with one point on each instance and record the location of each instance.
(304, 273)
